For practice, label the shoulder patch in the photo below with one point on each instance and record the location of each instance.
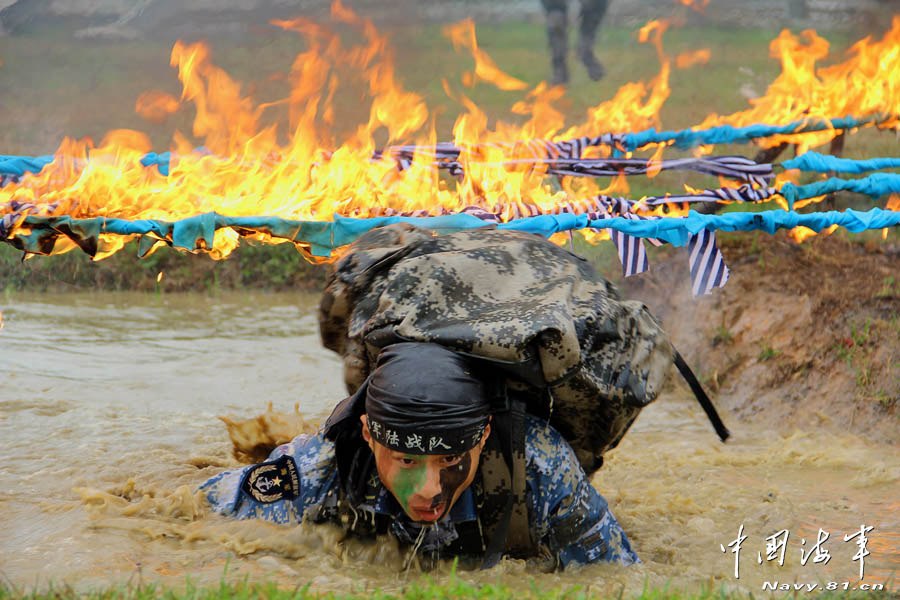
(273, 481)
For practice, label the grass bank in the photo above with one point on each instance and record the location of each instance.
(252, 266)
(425, 589)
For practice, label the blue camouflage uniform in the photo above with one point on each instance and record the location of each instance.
(565, 513)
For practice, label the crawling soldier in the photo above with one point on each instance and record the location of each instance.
(416, 453)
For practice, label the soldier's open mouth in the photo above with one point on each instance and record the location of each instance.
(429, 513)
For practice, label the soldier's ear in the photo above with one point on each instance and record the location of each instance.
(367, 435)
(484, 436)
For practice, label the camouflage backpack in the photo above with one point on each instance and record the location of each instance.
(568, 347)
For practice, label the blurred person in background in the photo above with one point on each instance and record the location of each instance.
(591, 14)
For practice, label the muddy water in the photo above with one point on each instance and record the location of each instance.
(108, 422)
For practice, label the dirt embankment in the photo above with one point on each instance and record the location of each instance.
(803, 335)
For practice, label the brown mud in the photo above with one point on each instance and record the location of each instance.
(112, 400)
(801, 353)
(808, 333)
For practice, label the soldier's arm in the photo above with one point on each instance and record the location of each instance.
(571, 519)
(277, 490)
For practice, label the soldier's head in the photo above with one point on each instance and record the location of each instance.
(427, 419)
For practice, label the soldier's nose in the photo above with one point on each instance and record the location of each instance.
(432, 485)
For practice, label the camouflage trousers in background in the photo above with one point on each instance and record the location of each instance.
(592, 12)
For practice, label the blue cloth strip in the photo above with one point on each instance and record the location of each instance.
(324, 236)
(160, 160)
(875, 185)
(675, 230)
(19, 165)
(813, 161)
(726, 134)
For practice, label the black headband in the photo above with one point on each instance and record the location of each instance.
(426, 399)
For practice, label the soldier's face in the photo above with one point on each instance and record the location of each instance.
(425, 485)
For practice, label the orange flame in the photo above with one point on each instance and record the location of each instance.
(695, 57)
(893, 202)
(801, 234)
(697, 5)
(155, 105)
(865, 84)
(635, 107)
(244, 170)
(248, 169)
(462, 35)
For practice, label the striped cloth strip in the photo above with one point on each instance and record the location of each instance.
(7, 224)
(733, 167)
(623, 207)
(534, 148)
(707, 265)
(565, 158)
(7, 179)
(758, 174)
(630, 249)
(631, 252)
(484, 215)
(743, 193)
(13, 213)
(28, 208)
(708, 268)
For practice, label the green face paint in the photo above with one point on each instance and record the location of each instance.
(409, 480)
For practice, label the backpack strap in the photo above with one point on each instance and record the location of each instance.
(505, 513)
(701, 397)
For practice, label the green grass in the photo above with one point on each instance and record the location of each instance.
(722, 336)
(859, 350)
(424, 589)
(890, 287)
(56, 86)
(767, 353)
(255, 266)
